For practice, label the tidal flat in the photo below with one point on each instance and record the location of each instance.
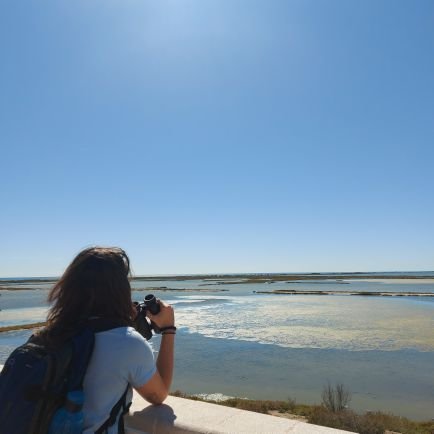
(235, 341)
(231, 279)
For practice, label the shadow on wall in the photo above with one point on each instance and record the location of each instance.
(153, 420)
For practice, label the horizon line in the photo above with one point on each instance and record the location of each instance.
(235, 274)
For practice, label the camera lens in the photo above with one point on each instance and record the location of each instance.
(152, 304)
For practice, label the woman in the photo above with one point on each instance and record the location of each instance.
(96, 285)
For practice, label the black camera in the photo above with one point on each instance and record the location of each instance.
(142, 324)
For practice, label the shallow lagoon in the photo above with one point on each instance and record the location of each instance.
(240, 343)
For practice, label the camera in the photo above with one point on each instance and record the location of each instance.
(142, 324)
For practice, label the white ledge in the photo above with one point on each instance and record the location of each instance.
(179, 415)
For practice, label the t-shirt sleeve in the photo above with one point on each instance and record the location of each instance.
(141, 364)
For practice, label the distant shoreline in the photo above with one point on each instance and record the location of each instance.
(245, 278)
(13, 328)
(357, 293)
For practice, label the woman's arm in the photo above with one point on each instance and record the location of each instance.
(157, 388)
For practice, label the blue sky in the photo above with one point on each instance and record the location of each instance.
(218, 136)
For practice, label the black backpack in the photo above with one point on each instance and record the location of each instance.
(35, 380)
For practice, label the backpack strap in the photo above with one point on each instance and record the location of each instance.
(83, 343)
(119, 409)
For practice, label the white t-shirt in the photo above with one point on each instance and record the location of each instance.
(120, 356)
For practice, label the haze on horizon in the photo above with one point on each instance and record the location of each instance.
(224, 136)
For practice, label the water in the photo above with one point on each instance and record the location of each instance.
(236, 342)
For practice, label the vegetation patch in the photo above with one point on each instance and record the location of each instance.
(344, 418)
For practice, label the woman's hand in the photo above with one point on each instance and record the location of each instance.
(133, 311)
(166, 316)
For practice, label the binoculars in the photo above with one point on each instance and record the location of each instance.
(143, 324)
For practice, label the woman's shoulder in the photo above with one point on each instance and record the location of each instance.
(127, 350)
(121, 330)
(122, 336)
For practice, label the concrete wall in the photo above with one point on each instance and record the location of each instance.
(178, 415)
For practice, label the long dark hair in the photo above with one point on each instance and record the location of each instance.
(95, 284)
